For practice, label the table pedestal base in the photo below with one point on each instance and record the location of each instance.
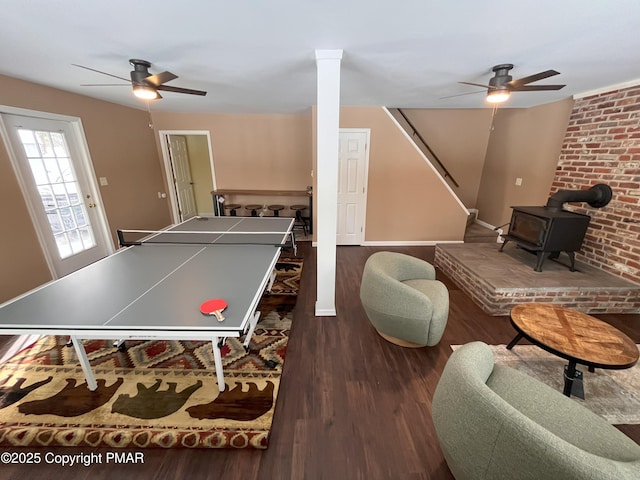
(572, 377)
(573, 384)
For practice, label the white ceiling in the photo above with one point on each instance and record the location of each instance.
(257, 56)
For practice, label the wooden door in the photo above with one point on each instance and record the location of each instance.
(183, 182)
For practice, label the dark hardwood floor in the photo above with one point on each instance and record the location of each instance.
(351, 405)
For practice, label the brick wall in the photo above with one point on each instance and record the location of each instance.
(602, 145)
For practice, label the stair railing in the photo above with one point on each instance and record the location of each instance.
(431, 152)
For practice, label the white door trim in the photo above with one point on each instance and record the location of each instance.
(367, 132)
(166, 157)
(101, 229)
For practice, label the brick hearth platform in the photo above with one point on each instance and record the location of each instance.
(497, 281)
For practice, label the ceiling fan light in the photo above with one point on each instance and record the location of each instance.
(498, 95)
(145, 92)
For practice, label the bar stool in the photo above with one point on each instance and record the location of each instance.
(300, 221)
(232, 207)
(254, 209)
(276, 209)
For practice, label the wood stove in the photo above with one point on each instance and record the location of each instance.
(547, 231)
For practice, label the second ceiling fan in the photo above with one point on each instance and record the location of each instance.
(502, 83)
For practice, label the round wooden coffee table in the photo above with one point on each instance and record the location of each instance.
(574, 336)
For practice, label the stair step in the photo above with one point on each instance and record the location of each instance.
(476, 233)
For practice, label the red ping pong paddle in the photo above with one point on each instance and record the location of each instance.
(215, 306)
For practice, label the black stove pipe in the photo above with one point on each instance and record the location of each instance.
(597, 196)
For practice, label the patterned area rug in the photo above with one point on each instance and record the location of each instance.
(155, 393)
(612, 394)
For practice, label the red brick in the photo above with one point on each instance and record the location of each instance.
(627, 101)
(619, 116)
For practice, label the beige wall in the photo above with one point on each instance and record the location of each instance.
(406, 200)
(122, 149)
(459, 138)
(524, 143)
(252, 151)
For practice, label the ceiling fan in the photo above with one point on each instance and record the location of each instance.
(145, 85)
(502, 84)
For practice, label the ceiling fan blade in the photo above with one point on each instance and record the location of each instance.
(160, 78)
(533, 88)
(462, 94)
(168, 88)
(98, 71)
(476, 84)
(105, 84)
(532, 78)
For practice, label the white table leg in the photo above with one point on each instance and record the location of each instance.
(252, 326)
(272, 279)
(217, 358)
(84, 363)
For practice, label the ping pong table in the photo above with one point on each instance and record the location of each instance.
(153, 289)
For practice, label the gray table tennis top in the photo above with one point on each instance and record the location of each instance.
(159, 287)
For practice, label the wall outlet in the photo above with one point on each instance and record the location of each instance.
(518, 181)
(103, 181)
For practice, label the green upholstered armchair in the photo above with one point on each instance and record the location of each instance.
(494, 422)
(403, 300)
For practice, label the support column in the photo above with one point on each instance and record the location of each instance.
(328, 125)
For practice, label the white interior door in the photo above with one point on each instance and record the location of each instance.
(352, 185)
(59, 188)
(182, 176)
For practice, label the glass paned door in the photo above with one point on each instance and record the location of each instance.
(59, 187)
(49, 159)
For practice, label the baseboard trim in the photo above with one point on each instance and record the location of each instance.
(325, 312)
(484, 224)
(411, 243)
(400, 243)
